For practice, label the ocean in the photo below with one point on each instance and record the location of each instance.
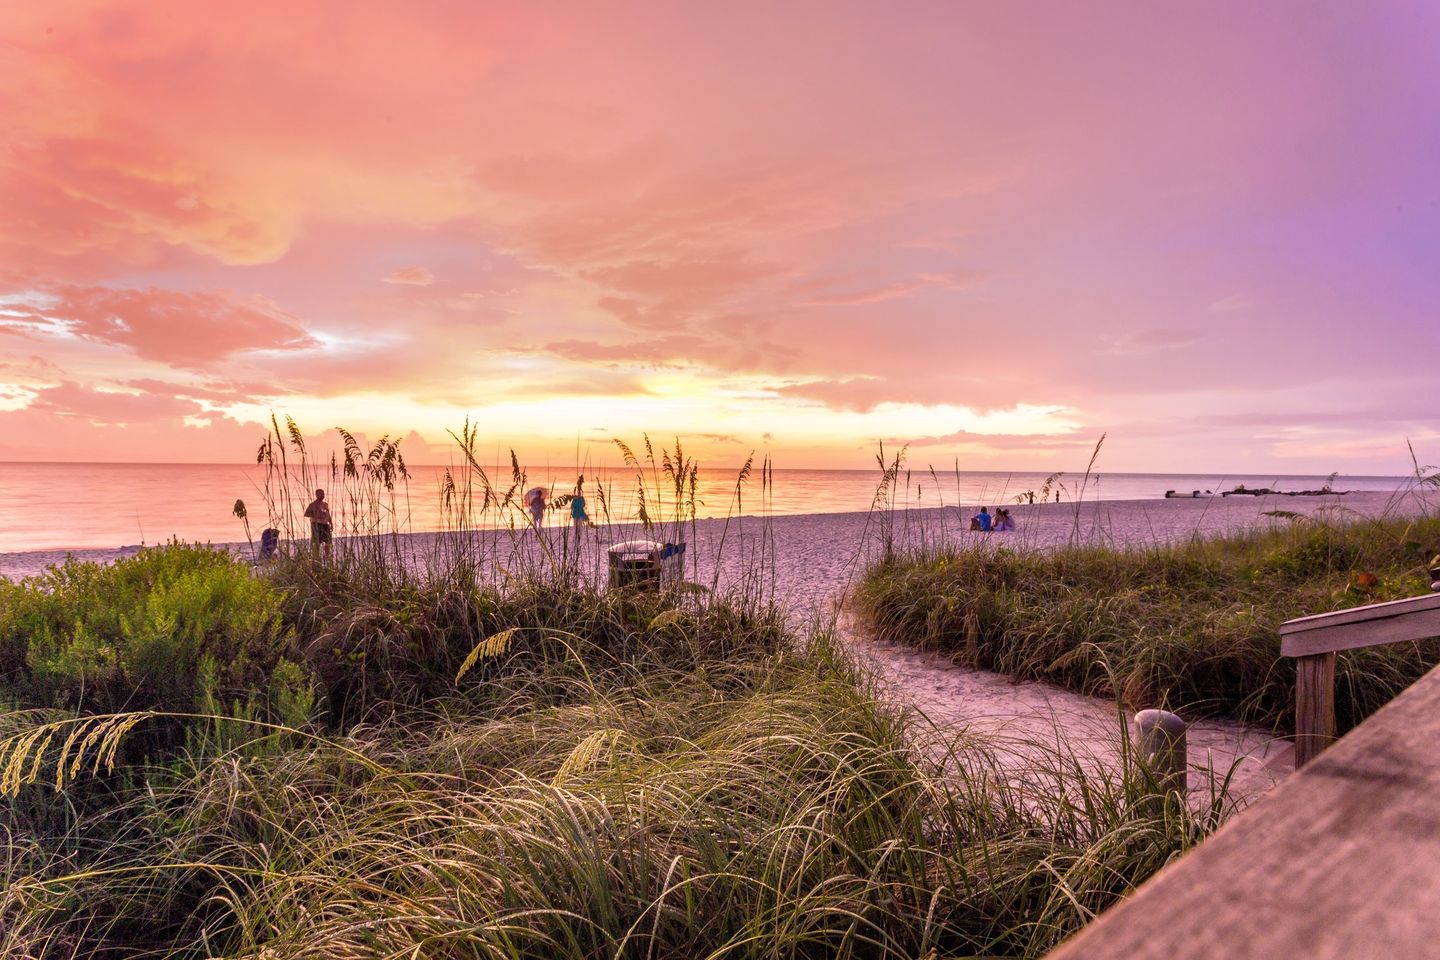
(53, 506)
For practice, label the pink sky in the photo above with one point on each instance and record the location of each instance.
(994, 231)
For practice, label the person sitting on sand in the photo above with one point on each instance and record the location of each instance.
(269, 544)
(578, 516)
(319, 515)
(1003, 520)
(982, 520)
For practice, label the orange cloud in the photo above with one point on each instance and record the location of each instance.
(412, 276)
(656, 350)
(896, 291)
(106, 407)
(186, 330)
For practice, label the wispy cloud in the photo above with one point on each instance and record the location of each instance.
(1142, 342)
(411, 276)
(186, 329)
(896, 291)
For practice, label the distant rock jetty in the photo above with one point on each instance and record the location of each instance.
(1244, 491)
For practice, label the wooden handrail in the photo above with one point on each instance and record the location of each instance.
(1314, 641)
(1339, 861)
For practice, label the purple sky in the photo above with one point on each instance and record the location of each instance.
(993, 231)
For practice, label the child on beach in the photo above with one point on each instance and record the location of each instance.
(578, 516)
(318, 514)
(269, 544)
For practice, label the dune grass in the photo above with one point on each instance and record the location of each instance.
(1192, 625)
(548, 770)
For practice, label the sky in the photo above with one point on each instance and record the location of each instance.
(994, 232)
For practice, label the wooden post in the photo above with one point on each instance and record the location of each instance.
(1314, 705)
(1160, 735)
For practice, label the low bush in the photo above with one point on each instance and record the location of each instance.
(176, 628)
(378, 638)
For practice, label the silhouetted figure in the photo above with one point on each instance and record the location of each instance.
(319, 515)
(535, 501)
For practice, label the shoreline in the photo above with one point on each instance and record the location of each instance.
(816, 554)
(1009, 504)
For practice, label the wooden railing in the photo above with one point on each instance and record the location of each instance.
(1314, 641)
(1341, 860)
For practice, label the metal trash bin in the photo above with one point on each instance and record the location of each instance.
(646, 563)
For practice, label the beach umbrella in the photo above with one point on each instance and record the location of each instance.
(536, 494)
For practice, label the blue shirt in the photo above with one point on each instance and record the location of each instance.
(577, 508)
(984, 518)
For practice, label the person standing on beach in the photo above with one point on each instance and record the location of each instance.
(578, 516)
(535, 500)
(319, 515)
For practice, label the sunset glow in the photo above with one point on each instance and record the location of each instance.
(992, 231)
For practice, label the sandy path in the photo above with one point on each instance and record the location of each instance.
(947, 701)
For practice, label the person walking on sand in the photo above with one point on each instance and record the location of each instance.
(578, 516)
(319, 515)
(982, 520)
(535, 500)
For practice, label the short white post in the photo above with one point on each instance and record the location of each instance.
(1160, 738)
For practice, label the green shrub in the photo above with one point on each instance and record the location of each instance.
(379, 638)
(173, 628)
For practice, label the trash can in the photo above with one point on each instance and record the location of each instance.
(645, 563)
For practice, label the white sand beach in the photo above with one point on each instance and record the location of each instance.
(815, 558)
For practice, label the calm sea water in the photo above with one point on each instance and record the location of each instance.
(47, 506)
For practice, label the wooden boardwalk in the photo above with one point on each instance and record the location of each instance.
(1341, 860)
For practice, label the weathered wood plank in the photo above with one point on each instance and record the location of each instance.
(1361, 615)
(1373, 611)
(1416, 625)
(1314, 706)
(1341, 860)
